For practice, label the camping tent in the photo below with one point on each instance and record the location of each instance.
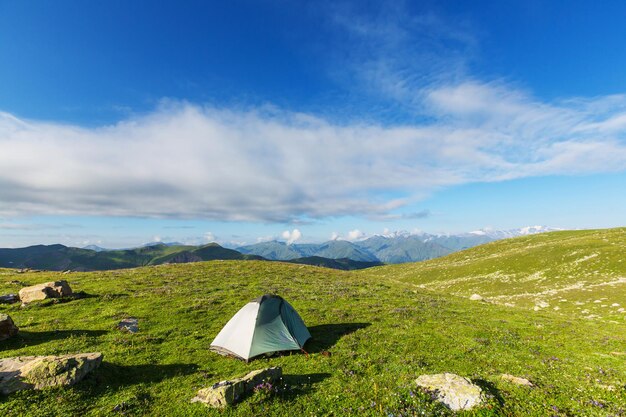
(266, 324)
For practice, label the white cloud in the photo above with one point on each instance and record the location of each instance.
(355, 234)
(209, 237)
(334, 236)
(187, 161)
(292, 237)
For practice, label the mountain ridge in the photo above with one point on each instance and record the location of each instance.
(58, 257)
(398, 247)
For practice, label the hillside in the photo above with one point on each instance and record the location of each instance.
(580, 273)
(60, 257)
(381, 333)
(342, 263)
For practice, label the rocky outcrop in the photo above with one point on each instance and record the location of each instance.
(226, 393)
(55, 289)
(37, 372)
(456, 392)
(7, 327)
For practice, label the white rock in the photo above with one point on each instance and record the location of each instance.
(456, 392)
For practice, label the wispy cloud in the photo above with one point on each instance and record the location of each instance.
(390, 53)
(37, 226)
(397, 216)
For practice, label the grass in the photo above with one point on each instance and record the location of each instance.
(381, 329)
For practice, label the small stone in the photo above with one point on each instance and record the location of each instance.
(225, 393)
(37, 372)
(516, 380)
(54, 289)
(130, 325)
(476, 297)
(7, 327)
(456, 392)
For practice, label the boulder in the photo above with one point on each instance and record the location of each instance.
(476, 297)
(7, 327)
(54, 289)
(37, 372)
(516, 380)
(226, 393)
(456, 392)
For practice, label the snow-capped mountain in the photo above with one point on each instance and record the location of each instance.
(389, 247)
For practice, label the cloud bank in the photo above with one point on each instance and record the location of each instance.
(265, 164)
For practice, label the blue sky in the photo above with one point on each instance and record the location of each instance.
(126, 122)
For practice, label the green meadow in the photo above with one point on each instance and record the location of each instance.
(374, 332)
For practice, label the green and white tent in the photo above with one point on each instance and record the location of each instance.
(266, 324)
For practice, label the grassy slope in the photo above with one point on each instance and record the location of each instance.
(382, 334)
(577, 273)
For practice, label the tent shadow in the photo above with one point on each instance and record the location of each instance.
(325, 336)
(25, 338)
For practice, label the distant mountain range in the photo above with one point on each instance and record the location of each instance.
(393, 249)
(338, 254)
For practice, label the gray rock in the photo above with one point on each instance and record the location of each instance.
(226, 393)
(55, 289)
(7, 327)
(130, 325)
(37, 372)
(456, 392)
(476, 297)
